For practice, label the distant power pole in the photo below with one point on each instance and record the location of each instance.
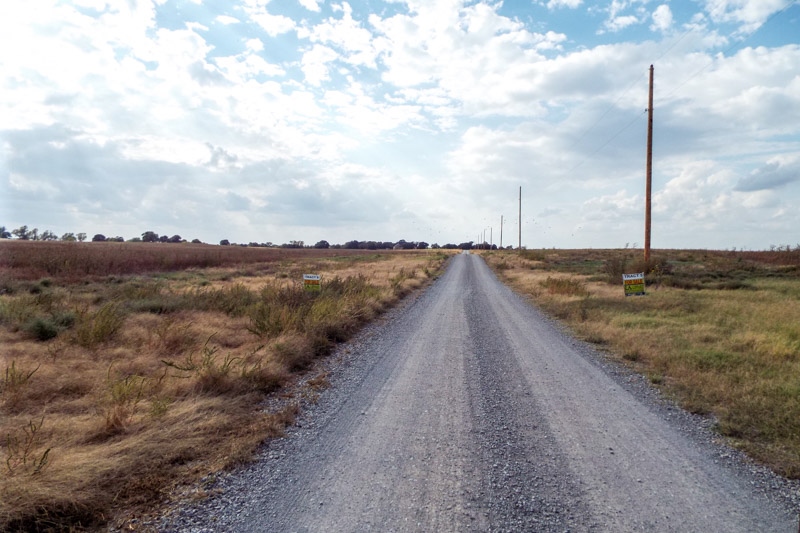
(519, 246)
(501, 232)
(649, 178)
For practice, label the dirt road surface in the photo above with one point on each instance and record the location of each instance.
(470, 411)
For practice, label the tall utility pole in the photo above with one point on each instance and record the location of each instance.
(649, 187)
(501, 232)
(519, 246)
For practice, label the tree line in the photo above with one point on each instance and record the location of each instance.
(23, 233)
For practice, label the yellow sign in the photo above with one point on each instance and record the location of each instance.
(311, 282)
(633, 283)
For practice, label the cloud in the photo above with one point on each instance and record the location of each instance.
(616, 24)
(775, 174)
(662, 18)
(226, 19)
(571, 4)
(311, 5)
(750, 14)
(315, 64)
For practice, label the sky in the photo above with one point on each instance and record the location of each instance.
(286, 120)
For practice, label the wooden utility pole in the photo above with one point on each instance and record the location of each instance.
(501, 232)
(519, 246)
(649, 187)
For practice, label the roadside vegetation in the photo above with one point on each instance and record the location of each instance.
(131, 371)
(718, 331)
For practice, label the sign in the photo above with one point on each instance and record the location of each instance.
(311, 282)
(634, 284)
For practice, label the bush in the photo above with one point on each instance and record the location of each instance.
(41, 329)
(100, 326)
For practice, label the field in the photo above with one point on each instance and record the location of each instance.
(131, 371)
(717, 331)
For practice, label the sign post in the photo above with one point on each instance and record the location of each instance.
(311, 282)
(634, 284)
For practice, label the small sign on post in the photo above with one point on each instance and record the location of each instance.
(634, 284)
(311, 282)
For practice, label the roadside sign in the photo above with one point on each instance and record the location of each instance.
(634, 284)
(311, 282)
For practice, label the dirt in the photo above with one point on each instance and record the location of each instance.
(469, 410)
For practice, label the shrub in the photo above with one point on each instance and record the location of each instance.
(94, 328)
(41, 329)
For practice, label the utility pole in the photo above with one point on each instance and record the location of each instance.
(490, 238)
(501, 232)
(649, 186)
(519, 246)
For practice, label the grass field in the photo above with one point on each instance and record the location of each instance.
(129, 371)
(717, 331)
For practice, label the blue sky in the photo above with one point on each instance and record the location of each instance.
(271, 121)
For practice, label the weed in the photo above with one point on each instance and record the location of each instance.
(22, 455)
(94, 328)
(125, 394)
(16, 378)
(565, 286)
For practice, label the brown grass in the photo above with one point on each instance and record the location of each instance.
(718, 331)
(153, 379)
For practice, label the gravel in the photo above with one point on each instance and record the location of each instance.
(466, 409)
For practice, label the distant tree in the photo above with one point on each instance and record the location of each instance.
(22, 233)
(224, 242)
(351, 245)
(135, 239)
(197, 241)
(115, 239)
(466, 245)
(69, 237)
(48, 235)
(99, 238)
(34, 234)
(421, 245)
(435, 246)
(149, 236)
(175, 239)
(4, 233)
(163, 238)
(322, 245)
(81, 237)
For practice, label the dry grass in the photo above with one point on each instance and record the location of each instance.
(719, 331)
(116, 390)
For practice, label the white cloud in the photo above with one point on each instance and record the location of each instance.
(227, 20)
(662, 18)
(571, 4)
(751, 14)
(620, 23)
(311, 5)
(348, 35)
(273, 24)
(315, 63)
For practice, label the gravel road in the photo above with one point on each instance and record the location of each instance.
(468, 410)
